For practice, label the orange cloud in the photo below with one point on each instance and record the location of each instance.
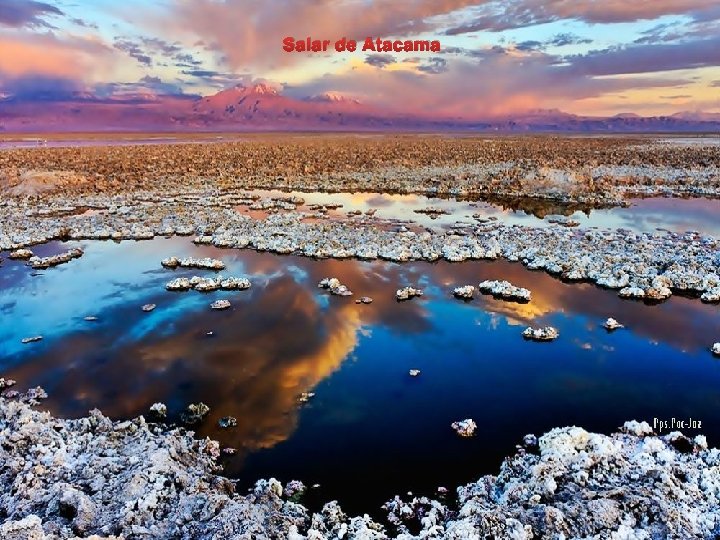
(45, 54)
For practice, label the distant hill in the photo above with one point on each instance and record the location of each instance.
(262, 107)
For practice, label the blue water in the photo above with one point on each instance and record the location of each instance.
(371, 431)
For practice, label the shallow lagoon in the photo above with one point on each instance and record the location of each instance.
(372, 430)
(643, 215)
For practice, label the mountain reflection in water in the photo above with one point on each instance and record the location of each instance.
(370, 426)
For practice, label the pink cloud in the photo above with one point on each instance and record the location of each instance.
(492, 83)
(250, 34)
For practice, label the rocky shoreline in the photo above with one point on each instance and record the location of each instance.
(140, 192)
(96, 478)
(648, 266)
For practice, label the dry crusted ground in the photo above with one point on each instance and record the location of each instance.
(591, 169)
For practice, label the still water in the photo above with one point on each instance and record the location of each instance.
(642, 215)
(371, 431)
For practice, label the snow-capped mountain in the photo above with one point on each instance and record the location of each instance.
(264, 107)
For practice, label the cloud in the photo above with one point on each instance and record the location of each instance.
(145, 89)
(42, 88)
(216, 79)
(202, 45)
(561, 40)
(83, 23)
(508, 14)
(529, 45)
(133, 50)
(26, 13)
(201, 72)
(162, 46)
(487, 52)
(250, 34)
(488, 82)
(707, 25)
(46, 54)
(186, 60)
(434, 65)
(660, 33)
(380, 60)
(649, 58)
(149, 50)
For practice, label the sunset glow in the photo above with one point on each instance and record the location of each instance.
(583, 57)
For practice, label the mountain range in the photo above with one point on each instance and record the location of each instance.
(261, 107)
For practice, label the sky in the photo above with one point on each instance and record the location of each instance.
(589, 57)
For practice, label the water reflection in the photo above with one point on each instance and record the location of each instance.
(370, 425)
(642, 215)
(281, 338)
(541, 208)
